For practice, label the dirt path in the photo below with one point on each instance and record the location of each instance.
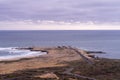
(69, 72)
(82, 54)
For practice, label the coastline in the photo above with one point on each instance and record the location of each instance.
(58, 57)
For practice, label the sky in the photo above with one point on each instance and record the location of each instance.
(59, 14)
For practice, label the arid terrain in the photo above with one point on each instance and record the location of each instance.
(60, 63)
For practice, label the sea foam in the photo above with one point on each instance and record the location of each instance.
(17, 53)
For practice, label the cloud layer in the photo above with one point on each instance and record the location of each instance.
(53, 25)
(16, 12)
(61, 10)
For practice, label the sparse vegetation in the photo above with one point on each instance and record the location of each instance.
(61, 63)
(104, 69)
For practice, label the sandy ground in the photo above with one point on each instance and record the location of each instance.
(61, 63)
(55, 57)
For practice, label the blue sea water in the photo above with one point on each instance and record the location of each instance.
(101, 40)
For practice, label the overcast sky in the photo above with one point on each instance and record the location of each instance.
(29, 12)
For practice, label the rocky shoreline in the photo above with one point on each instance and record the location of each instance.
(46, 49)
(61, 63)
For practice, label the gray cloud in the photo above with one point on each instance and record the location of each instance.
(61, 10)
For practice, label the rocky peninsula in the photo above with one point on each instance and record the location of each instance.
(61, 63)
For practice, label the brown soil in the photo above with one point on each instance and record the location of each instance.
(60, 63)
(55, 57)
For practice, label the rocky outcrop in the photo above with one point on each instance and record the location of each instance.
(50, 75)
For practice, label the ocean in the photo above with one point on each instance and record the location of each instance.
(94, 40)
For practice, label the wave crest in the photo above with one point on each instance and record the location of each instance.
(18, 54)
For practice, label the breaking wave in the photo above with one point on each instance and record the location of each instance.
(11, 53)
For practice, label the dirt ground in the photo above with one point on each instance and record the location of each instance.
(60, 64)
